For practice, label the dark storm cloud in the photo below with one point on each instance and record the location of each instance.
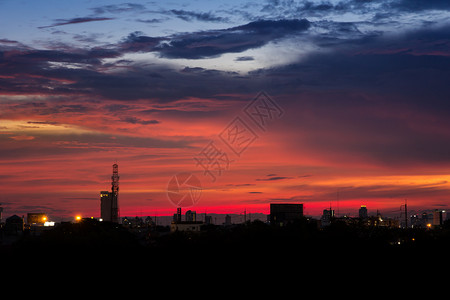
(383, 100)
(196, 45)
(384, 12)
(316, 8)
(418, 5)
(356, 6)
(374, 63)
(170, 85)
(213, 43)
(34, 60)
(137, 41)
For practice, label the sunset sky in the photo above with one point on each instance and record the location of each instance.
(357, 95)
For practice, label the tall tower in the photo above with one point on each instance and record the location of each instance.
(115, 194)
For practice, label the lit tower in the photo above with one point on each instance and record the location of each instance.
(115, 194)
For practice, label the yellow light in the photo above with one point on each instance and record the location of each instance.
(44, 219)
(428, 225)
(78, 218)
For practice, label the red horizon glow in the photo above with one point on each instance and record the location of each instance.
(269, 171)
(69, 156)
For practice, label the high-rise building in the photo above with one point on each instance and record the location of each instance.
(177, 216)
(439, 217)
(105, 206)
(227, 220)
(363, 212)
(190, 216)
(109, 204)
(327, 216)
(282, 213)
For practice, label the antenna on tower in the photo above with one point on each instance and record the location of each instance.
(406, 215)
(331, 214)
(406, 212)
(115, 215)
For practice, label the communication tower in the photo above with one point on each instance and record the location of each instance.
(115, 215)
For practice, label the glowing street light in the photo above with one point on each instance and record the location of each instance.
(78, 218)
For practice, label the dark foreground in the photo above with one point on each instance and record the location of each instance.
(297, 246)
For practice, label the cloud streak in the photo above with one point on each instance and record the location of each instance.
(199, 16)
(61, 22)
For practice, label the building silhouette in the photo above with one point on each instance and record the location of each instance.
(14, 225)
(36, 218)
(190, 223)
(227, 220)
(439, 217)
(190, 216)
(109, 201)
(283, 213)
(363, 212)
(105, 206)
(327, 217)
(177, 216)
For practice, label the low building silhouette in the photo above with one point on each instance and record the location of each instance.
(190, 223)
(283, 213)
(194, 226)
(14, 225)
